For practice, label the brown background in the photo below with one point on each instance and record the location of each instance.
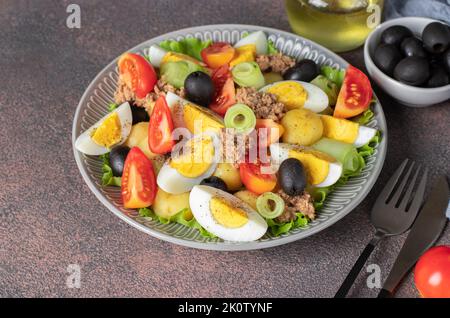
(50, 219)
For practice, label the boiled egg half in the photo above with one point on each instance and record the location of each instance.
(322, 170)
(225, 215)
(157, 56)
(195, 118)
(190, 163)
(297, 94)
(346, 131)
(258, 39)
(111, 130)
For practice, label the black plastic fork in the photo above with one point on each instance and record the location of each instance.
(393, 213)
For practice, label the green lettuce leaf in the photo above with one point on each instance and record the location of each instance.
(329, 87)
(369, 148)
(271, 48)
(108, 178)
(188, 46)
(112, 107)
(277, 229)
(365, 117)
(180, 218)
(333, 74)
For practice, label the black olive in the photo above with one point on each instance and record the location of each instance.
(117, 158)
(305, 70)
(292, 176)
(139, 114)
(436, 37)
(439, 77)
(215, 182)
(395, 35)
(413, 47)
(199, 88)
(412, 71)
(446, 60)
(386, 57)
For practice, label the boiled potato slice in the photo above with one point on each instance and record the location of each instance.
(139, 138)
(248, 197)
(167, 205)
(302, 127)
(230, 175)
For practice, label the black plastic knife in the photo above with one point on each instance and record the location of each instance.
(424, 233)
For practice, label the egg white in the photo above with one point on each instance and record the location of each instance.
(280, 152)
(257, 38)
(199, 201)
(317, 100)
(156, 55)
(86, 145)
(365, 134)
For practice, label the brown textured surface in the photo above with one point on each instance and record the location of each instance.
(50, 219)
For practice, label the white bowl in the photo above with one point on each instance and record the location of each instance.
(405, 94)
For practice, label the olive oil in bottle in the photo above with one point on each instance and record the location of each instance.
(340, 25)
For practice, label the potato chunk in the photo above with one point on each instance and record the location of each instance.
(302, 127)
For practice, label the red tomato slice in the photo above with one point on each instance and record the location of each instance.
(160, 129)
(432, 273)
(217, 54)
(138, 180)
(256, 181)
(273, 131)
(225, 95)
(137, 71)
(355, 94)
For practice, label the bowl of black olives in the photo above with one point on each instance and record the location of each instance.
(409, 58)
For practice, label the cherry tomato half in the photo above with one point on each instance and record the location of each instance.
(254, 178)
(355, 94)
(224, 95)
(160, 129)
(217, 54)
(136, 70)
(273, 131)
(138, 180)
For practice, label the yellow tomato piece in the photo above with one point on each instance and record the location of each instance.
(340, 129)
(245, 53)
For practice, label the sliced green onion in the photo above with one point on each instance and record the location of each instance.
(270, 205)
(345, 153)
(176, 72)
(248, 74)
(240, 117)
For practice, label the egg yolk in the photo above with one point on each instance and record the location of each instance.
(291, 94)
(340, 129)
(226, 214)
(245, 53)
(199, 120)
(195, 158)
(316, 163)
(109, 132)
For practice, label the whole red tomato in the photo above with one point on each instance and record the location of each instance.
(432, 273)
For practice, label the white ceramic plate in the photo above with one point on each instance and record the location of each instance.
(94, 104)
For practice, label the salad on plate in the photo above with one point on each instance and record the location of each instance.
(232, 140)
